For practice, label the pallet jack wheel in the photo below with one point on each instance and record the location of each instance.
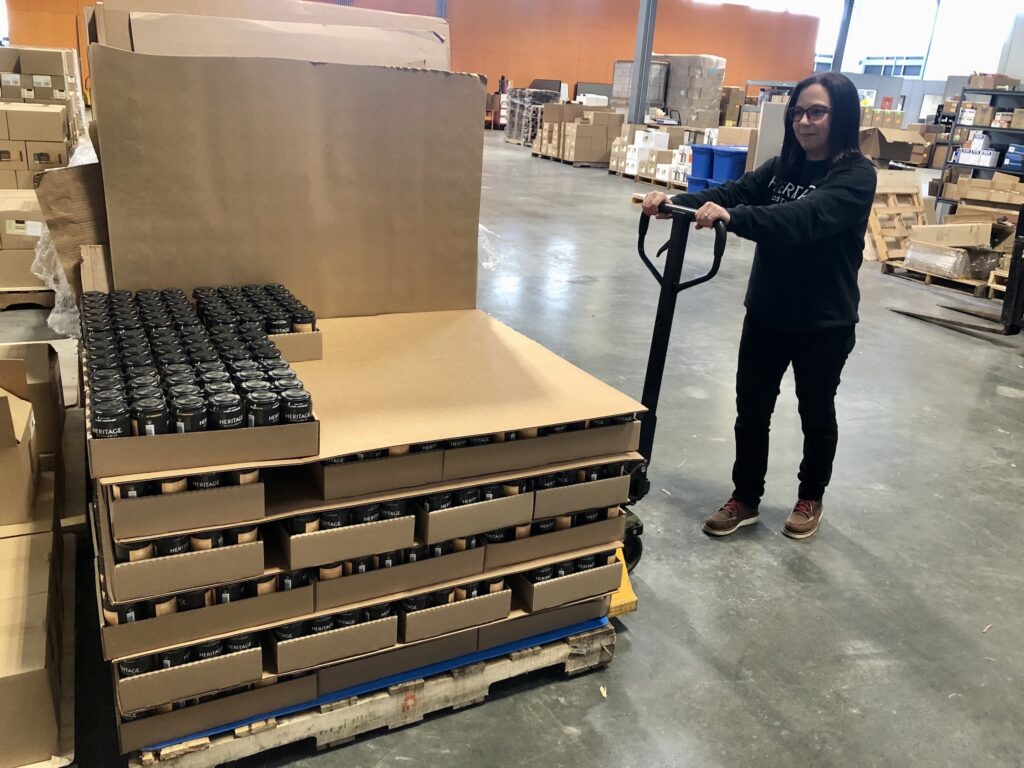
(632, 544)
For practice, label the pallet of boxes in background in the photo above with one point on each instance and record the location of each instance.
(465, 487)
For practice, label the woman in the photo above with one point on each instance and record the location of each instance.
(807, 210)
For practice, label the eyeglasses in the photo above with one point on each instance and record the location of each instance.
(814, 114)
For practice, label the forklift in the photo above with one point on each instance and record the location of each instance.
(671, 286)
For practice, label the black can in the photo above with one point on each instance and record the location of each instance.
(471, 590)
(554, 429)
(241, 534)
(459, 442)
(179, 369)
(266, 353)
(605, 558)
(481, 440)
(218, 388)
(287, 384)
(320, 624)
(347, 619)
(441, 596)
(279, 371)
(307, 523)
(590, 474)
(360, 565)
(239, 643)
(161, 606)
(279, 322)
(544, 573)
(389, 559)
(566, 568)
(213, 366)
(144, 381)
(490, 492)
(303, 321)
(589, 516)
(547, 525)
(97, 396)
(376, 612)
(468, 542)
(226, 411)
(495, 584)
(415, 603)
(500, 536)
(172, 357)
(424, 447)
(203, 354)
(216, 375)
(140, 665)
(586, 563)
(173, 545)
(133, 490)
(513, 487)
(203, 540)
(205, 481)
(415, 554)
(190, 415)
(438, 501)
(133, 551)
(389, 510)
(244, 377)
(296, 406)
(440, 548)
(126, 613)
(569, 477)
(111, 419)
(183, 390)
(376, 453)
(546, 482)
(192, 601)
(335, 518)
(175, 657)
(466, 496)
(368, 513)
(211, 649)
(600, 422)
(292, 580)
(263, 408)
(147, 392)
(243, 365)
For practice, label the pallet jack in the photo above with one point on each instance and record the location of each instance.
(671, 286)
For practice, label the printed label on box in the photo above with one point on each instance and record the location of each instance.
(28, 93)
(34, 228)
(42, 81)
(9, 78)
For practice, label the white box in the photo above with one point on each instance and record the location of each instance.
(631, 167)
(651, 139)
(663, 171)
(680, 172)
(637, 154)
(967, 116)
(980, 140)
(988, 158)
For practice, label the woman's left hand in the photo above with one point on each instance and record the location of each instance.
(709, 213)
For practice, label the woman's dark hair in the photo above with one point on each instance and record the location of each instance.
(844, 123)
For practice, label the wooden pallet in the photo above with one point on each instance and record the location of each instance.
(404, 704)
(997, 282)
(897, 208)
(976, 287)
(585, 164)
(26, 298)
(510, 140)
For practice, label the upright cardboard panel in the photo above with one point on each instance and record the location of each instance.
(455, 522)
(200, 157)
(32, 372)
(156, 516)
(167, 34)
(577, 498)
(453, 617)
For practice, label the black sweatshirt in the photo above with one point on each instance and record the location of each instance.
(809, 231)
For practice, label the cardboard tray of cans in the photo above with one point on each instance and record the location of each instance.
(172, 386)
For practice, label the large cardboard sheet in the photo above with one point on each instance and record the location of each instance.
(225, 171)
(180, 35)
(417, 378)
(114, 25)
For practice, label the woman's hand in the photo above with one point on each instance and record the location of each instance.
(708, 214)
(652, 201)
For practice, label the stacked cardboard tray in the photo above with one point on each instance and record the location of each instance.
(421, 401)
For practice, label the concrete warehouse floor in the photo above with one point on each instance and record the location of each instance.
(892, 637)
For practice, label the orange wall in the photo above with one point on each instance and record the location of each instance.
(572, 40)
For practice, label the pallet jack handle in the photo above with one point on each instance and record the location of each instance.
(671, 286)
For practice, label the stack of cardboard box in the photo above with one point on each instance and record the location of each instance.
(880, 118)
(650, 148)
(33, 138)
(549, 141)
(1001, 188)
(31, 423)
(589, 139)
(44, 76)
(694, 88)
(733, 99)
(440, 432)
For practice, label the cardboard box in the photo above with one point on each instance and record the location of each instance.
(11, 93)
(568, 589)
(408, 577)
(150, 517)
(335, 645)
(18, 458)
(338, 678)
(462, 614)
(21, 220)
(8, 179)
(327, 546)
(12, 155)
(338, 481)
(166, 726)
(520, 625)
(37, 123)
(42, 61)
(977, 234)
(56, 82)
(54, 96)
(164, 686)
(597, 494)
(1017, 122)
(26, 178)
(29, 649)
(43, 155)
(299, 347)
(16, 270)
(890, 143)
(740, 137)
(605, 534)
(32, 372)
(11, 79)
(471, 519)
(985, 81)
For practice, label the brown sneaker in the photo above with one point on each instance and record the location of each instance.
(804, 520)
(730, 518)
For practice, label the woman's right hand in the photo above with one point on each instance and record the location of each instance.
(652, 201)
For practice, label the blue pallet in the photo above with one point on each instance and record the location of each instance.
(387, 682)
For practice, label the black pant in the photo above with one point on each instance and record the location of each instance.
(818, 357)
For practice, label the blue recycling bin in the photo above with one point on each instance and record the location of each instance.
(696, 184)
(703, 160)
(729, 162)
